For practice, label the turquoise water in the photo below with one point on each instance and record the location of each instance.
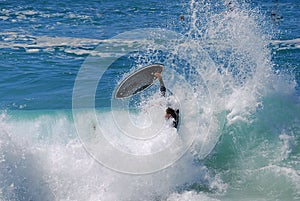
(233, 69)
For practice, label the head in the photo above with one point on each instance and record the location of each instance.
(174, 114)
(170, 113)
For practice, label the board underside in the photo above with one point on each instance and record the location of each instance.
(138, 81)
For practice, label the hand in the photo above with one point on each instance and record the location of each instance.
(158, 75)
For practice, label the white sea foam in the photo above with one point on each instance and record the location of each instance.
(42, 151)
(190, 196)
(287, 142)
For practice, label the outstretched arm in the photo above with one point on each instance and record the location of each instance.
(161, 82)
(159, 77)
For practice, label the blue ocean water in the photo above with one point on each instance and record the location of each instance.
(234, 68)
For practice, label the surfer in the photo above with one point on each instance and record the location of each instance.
(181, 17)
(170, 112)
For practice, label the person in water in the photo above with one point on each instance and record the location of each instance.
(170, 112)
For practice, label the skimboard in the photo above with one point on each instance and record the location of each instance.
(138, 81)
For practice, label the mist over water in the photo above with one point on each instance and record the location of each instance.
(242, 112)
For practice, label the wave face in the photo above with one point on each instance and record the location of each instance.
(239, 80)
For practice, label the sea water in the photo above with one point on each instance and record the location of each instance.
(232, 68)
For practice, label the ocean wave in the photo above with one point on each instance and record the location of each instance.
(42, 159)
(292, 44)
(246, 127)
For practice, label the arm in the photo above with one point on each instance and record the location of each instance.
(161, 82)
(159, 77)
